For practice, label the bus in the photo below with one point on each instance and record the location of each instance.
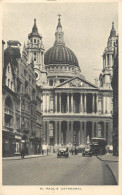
(98, 145)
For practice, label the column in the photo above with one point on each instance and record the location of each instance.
(104, 129)
(71, 102)
(55, 102)
(92, 129)
(48, 136)
(68, 102)
(103, 62)
(85, 132)
(110, 132)
(93, 98)
(67, 134)
(81, 133)
(106, 60)
(110, 60)
(60, 102)
(47, 102)
(96, 129)
(81, 103)
(43, 102)
(72, 133)
(43, 132)
(55, 132)
(59, 132)
(85, 103)
(104, 105)
(96, 103)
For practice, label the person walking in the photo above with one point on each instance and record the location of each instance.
(22, 153)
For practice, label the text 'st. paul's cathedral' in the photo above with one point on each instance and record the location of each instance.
(73, 109)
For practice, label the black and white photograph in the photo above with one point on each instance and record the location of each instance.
(59, 70)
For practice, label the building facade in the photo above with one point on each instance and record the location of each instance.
(47, 100)
(73, 109)
(115, 99)
(21, 103)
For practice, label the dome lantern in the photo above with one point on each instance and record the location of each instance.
(59, 53)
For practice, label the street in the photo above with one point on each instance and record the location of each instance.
(49, 170)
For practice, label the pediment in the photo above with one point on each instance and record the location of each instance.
(77, 83)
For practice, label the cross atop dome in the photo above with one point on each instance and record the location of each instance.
(59, 15)
(59, 23)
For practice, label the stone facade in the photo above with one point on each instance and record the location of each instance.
(74, 110)
(115, 99)
(53, 103)
(21, 103)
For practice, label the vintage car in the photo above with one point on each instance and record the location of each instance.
(87, 151)
(63, 152)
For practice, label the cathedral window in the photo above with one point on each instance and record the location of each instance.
(31, 40)
(51, 83)
(34, 40)
(34, 56)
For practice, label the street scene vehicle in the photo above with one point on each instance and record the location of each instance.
(98, 145)
(87, 151)
(63, 152)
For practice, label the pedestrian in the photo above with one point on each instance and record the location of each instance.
(42, 151)
(22, 153)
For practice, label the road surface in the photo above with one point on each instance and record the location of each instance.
(50, 170)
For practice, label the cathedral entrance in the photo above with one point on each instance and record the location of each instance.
(76, 133)
(63, 132)
(88, 131)
(89, 103)
(76, 99)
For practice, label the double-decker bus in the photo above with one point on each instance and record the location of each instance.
(98, 145)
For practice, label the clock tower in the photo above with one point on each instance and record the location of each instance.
(107, 72)
(35, 51)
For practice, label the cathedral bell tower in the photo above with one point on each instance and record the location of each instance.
(35, 51)
(107, 72)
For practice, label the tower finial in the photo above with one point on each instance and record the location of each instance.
(59, 23)
(59, 15)
(112, 24)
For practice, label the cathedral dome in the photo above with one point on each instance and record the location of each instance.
(59, 54)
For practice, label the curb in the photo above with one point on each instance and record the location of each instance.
(112, 174)
(109, 168)
(107, 160)
(26, 157)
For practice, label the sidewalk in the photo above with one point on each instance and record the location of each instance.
(112, 163)
(26, 156)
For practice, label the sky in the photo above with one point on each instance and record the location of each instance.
(86, 28)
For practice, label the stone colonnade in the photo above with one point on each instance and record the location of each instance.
(85, 101)
(108, 60)
(83, 131)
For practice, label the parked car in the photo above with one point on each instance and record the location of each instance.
(63, 152)
(87, 151)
